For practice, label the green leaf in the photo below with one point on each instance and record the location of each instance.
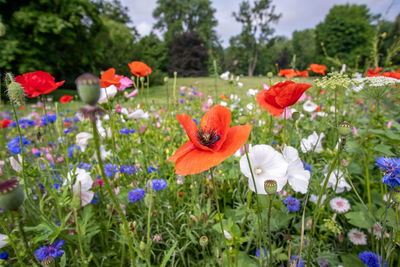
(384, 149)
(168, 255)
(352, 260)
(359, 219)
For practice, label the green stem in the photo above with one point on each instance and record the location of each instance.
(270, 260)
(111, 193)
(284, 126)
(242, 228)
(150, 185)
(12, 243)
(219, 214)
(78, 229)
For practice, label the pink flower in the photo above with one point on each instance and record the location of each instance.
(142, 129)
(355, 131)
(118, 108)
(49, 158)
(35, 150)
(200, 94)
(125, 82)
(133, 93)
(100, 182)
(183, 89)
(322, 92)
(302, 97)
(265, 86)
(60, 159)
(389, 125)
(313, 116)
(288, 115)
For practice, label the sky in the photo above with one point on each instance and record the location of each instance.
(296, 14)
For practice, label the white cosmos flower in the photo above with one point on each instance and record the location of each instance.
(297, 177)
(357, 237)
(223, 103)
(82, 186)
(250, 106)
(106, 93)
(240, 85)
(138, 114)
(103, 153)
(266, 164)
(309, 106)
(3, 241)
(333, 179)
(340, 205)
(225, 76)
(15, 165)
(81, 139)
(307, 144)
(314, 199)
(252, 92)
(100, 128)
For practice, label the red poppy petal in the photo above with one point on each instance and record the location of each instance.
(268, 102)
(191, 130)
(184, 149)
(218, 119)
(197, 160)
(290, 94)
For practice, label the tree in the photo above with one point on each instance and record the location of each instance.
(256, 28)
(303, 46)
(346, 34)
(188, 55)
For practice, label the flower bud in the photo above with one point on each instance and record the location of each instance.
(344, 128)
(270, 75)
(88, 87)
(203, 241)
(396, 197)
(270, 187)
(296, 116)
(11, 195)
(242, 119)
(165, 79)
(142, 245)
(15, 91)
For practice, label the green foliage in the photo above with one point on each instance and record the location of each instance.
(346, 34)
(303, 45)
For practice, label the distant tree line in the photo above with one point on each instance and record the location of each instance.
(69, 37)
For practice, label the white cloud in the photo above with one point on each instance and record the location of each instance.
(144, 28)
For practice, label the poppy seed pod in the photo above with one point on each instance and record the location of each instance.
(344, 128)
(296, 116)
(11, 195)
(203, 241)
(88, 87)
(270, 186)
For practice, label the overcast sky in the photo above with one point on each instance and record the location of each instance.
(296, 14)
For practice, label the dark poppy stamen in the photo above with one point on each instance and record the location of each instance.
(208, 138)
(8, 185)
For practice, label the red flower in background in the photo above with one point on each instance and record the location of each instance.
(211, 144)
(316, 68)
(280, 96)
(373, 72)
(65, 99)
(37, 83)
(109, 78)
(392, 74)
(288, 73)
(5, 122)
(303, 73)
(139, 68)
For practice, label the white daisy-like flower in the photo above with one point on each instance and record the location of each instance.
(240, 85)
(266, 164)
(378, 232)
(307, 144)
(296, 175)
(225, 76)
(357, 237)
(3, 240)
(309, 106)
(340, 205)
(333, 179)
(379, 81)
(252, 92)
(107, 93)
(314, 199)
(82, 186)
(81, 140)
(138, 114)
(223, 103)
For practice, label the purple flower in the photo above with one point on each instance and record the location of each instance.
(136, 194)
(295, 259)
(110, 169)
(53, 250)
(14, 145)
(158, 184)
(258, 254)
(128, 169)
(292, 204)
(371, 259)
(391, 170)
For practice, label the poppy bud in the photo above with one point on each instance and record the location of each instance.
(396, 196)
(88, 87)
(11, 195)
(344, 128)
(2, 29)
(270, 187)
(242, 119)
(203, 241)
(15, 91)
(166, 79)
(142, 245)
(270, 75)
(296, 116)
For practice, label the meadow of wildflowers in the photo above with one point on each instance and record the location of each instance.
(298, 172)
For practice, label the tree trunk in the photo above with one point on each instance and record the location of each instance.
(252, 65)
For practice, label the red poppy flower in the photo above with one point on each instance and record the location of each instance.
(5, 122)
(209, 145)
(288, 73)
(280, 96)
(373, 72)
(316, 68)
(65, 99)
(109, 78)
(223, 97)
(392, 74)
(303, 73)
(37, 83)
(139, 68)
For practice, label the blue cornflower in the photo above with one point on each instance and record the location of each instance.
(196, 121)
(95, 199)
(4, 255)
(136, 194)
(258, 254)
(127, 131)
(14, 145)
(66, 119)
(86, 166)
(67, 131)
(181, 101)
(159, 184)
(151, 169)
(371, 259)
(182, 94)
(292, 204)
(24, 123)
(50, 119)
(109, 169)
(391, 170)
(128, 169)
(299, 262)
(53, 250)
(307, 166)
(71, 150)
